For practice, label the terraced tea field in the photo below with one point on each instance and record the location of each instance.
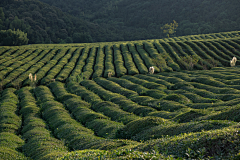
(64, 62)
(75, 111)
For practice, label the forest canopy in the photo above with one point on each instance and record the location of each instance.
(13, 38)
(77, 21)
(47, 24)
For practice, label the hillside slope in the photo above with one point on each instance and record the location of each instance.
(186, 114)
(141, 19)
(48, 24)
(88, 100)
(115, 59)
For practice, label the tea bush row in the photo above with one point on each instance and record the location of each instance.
(161, 103)
(217, 144)
(99, 64)
(39, 142)
(54, 71)
(146, 58)
(14, 56)
(5, 53)
(221, 50)
(90, 61)
(189, 50)
(170, 62)
(80, 63)
(108, 64)
(9, 121)
(175, 129)
(155, 55)
(67, 69)
(118, 61)
(142, 68)
(75, 135)
(174, 55)
(52, 60)
(38, 62)
(228, 56)
(10, 124)
(223, 61)
(123, 102)
(115, 154)
(108, 108)
(128, 60)
(21, 66)
(82, 112)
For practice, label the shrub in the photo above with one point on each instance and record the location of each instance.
(174, 129)
(113, 154)
(181, 85)
(7, 153)
(177, 98)
(10, 140)
(155, 93)
(104, 127)
(134, 127)
(13, 38)
(165, 105)
(219, 143)
(189, 116)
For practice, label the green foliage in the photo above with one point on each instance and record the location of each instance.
(191, 61)
(7, 153)
(189, 116)
(114, 154)
(210, 140)
(48, 24)
(170, 28)
(136, 126)
(82, 38)
(177, 98)
(171, 113)
(174, 129)
(13, 38)
(123, 20)
(199, 154)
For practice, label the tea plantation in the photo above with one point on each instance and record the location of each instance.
(97, 101)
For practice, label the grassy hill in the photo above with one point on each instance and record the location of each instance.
(74, 109)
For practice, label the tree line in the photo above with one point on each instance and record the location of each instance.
(79, 21)
(47, 24)
(141, 19)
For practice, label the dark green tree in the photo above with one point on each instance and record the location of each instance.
(170, 28)
(187, 31)
(68, 40)
(13, 38)
(19, 24)
(2, 16)
(82, 38)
